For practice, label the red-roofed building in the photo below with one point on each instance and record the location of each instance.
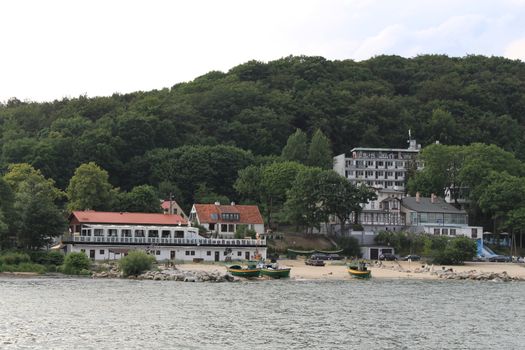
(110, 235)
(223, 220)
(172, 207)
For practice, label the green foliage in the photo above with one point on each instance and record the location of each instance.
(350, 246)
(47, 258)
(319, 152)
(456, 251)
(243, 231)
(296, 147)
(23, 267)
(89, 188)
(141, 199)
(135, 263)
(14, 258)
(75, 263)
(441, 249)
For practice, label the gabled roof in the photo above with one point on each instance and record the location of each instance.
(101, 217)
(249, 214)
(425, 205)
(166, 204)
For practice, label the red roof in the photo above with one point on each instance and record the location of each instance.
(166, 204)
(101, 217)
(249, 214)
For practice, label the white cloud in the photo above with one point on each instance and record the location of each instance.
(516, 50)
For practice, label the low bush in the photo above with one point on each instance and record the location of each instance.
(74, 263)
(14, 258)
(23, 267)
(135, 263)
(51, 257)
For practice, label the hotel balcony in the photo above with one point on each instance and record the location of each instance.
(162, 241)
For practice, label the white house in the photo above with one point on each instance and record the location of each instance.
(224, 220)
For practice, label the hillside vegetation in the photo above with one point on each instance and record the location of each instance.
(193, 137)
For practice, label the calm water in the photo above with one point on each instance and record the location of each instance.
(383, 314)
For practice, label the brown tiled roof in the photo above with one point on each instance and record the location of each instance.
(249, 214)
(101, 217)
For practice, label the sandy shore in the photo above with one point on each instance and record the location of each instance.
(390, 269)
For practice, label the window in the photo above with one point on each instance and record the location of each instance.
(166, 234)
(125, 233)
(139, 233)
(436, 231)
(187, 252)
(99, 232)
(208, 253)
(102, 252)
(85, 232)
(192, 252)
(82, 250)
(239, 253)
(444, 232)
(231, 228)
(224, 227)
(211, 226)
(112, 232)
(157, 252)
(214, 216)
(153, 233)
(179, 234)
(452, 231)
(474, 233)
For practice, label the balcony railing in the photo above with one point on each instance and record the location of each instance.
(160, 241)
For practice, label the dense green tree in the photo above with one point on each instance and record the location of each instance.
(141, 199)
(89, 188)
(319, 152)
(302, 205)
(296, 147)
(36, 215)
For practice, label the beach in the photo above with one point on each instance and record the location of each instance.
(336, 270)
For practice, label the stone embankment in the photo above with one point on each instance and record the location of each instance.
(170, 274)
(475, 275)
(449, 273)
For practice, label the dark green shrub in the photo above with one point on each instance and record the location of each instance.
(23, 267)
(74, 263)
(14, 258)
(51, 257)
(350, 246)
(456, 251)
(135, 263)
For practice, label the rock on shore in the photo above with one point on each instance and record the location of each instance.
(171, 274)
(475, 275)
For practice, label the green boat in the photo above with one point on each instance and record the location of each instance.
(276, 272)
(239, 271)
(359, 270)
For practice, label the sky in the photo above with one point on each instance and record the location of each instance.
(61, 48)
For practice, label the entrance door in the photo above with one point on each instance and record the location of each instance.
(217, 256)
(374, 253)
(247, 255)
(92, 254)
(172, 255)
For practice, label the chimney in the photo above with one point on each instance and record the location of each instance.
(432, 198)
(417, 197)
(232, 203)
(217, 203)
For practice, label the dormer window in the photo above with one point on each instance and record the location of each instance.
(230, 216)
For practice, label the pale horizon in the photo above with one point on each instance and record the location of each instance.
(59, 49)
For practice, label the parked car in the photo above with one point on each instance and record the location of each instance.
(500, 258)
(411, 257)
(314, 262)
(334, 257)
(319, 256)
(387, 257)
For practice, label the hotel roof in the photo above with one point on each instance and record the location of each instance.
(101, 217)
(249, 214)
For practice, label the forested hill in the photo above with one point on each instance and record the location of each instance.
(256, 106)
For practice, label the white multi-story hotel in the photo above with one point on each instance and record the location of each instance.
(385, 170)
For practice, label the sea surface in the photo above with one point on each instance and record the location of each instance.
(47, 313)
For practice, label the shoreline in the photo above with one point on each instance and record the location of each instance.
(337, 271)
